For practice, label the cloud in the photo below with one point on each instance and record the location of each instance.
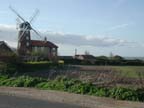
(4, 27)
(118, 27)
(12, 44)
(9, 34)
(85, 40)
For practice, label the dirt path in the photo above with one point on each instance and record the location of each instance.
(69, 98)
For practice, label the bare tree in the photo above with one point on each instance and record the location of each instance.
(87, 52)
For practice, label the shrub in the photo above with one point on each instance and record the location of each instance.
(31, 82)
(140, 93)
(6, 82)
(3, 77)
(103, 92)
(123, 94)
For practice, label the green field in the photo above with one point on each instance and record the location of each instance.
(130, 71)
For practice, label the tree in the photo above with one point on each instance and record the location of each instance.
(87, 52)
(111, 55)
(102, 58)
(117, 57)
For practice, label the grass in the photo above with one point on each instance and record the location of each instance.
(40, 62)
(125, 71)
(129, 71)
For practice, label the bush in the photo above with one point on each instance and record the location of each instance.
(6, 82)
(32, 82)
(103, 92)
(3, 77)
(140, 93)
(123, 94)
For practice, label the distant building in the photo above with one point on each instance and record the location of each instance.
(66, 57)
(5, 50)
(46, 50)
(87, 58)
(29, 49)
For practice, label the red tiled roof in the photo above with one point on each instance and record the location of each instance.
(43, 43)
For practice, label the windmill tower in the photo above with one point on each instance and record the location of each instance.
(24, 34)
(24, 39)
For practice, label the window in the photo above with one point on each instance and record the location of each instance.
(35, 49)
(27, 37)
(53, 49)
(27, 44)
(42, 49)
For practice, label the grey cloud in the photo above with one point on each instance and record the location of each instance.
(82, 40)
(9, 34)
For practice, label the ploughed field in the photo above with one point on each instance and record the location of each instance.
(127, 71)
(113, 75)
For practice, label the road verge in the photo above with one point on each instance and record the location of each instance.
(69, 98)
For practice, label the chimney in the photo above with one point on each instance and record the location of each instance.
(75, 52)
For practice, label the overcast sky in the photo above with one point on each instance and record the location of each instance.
(98, 26)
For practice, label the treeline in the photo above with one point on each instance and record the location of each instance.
(103, 60)
(117, 60)
(100, 60)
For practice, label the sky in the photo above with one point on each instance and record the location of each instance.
(97, 26)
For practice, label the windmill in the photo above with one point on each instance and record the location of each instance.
(24, 35)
